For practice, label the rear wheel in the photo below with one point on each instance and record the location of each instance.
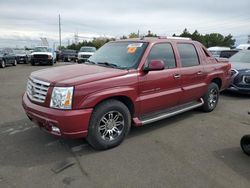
(245, 144)
(211, 98)
(3, 64)
(110, 122)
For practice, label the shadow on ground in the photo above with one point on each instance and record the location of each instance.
(235, 159)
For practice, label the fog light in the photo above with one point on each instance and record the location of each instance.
(55, 129)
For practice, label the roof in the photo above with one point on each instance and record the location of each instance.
(157, 39)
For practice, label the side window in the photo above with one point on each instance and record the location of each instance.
(163, 52)
(188, 55)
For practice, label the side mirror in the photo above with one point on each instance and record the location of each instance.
(155, 65)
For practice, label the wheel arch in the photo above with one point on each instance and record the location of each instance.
(127, 101)
(217, 81)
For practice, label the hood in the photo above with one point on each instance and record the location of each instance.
(240, 66)
(71, 75)
(41, 53)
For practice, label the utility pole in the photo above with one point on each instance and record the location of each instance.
(60, 35)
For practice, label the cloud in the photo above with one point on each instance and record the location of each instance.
(23, 19)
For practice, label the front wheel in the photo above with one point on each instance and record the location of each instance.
(245, 144)
(15, 62)
(211, 98)
(3, 64)
(109, 124)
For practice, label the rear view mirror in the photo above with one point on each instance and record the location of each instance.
(155, 65)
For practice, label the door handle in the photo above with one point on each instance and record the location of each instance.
(177, 76)
(199, 73)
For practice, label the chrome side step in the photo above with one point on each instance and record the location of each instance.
(171, 113)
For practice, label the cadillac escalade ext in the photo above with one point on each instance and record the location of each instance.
(127, 82)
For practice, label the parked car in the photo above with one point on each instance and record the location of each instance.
(85, 52)
(243, 47)
(245, 143)
(43, 55)
(216, 50)
(68, 55)
(125, 82)
(7, 57)
(240, 72)
(21, 56)
(228, 53)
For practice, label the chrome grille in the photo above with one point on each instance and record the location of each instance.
(85, 56)
(37, 90)
(234, 73)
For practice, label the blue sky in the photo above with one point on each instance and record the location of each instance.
(23, 22)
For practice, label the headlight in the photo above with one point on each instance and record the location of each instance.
(246, 79)
(49, 56)
(61, 97)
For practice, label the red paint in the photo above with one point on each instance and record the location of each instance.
(148, 91)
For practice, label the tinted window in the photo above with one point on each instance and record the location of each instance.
(123, 54)
(163, 52)
(188, 55)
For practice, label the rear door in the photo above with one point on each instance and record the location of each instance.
(160, 89)
(191, 72)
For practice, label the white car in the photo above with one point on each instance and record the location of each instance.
(43, 55)
(216, 50)
(85, 52)
(243, 47)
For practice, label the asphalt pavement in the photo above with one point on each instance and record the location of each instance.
(194, 149)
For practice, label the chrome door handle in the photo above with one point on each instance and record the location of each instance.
(199, 73)
(177, 76)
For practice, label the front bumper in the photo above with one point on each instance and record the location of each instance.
(238, 89)
(71, 123)
(42, 61)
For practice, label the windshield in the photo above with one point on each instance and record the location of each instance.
(241, 57)
(87, 49)
(41, 49)
(123, 54)
(19, 51)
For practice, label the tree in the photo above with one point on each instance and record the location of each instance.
(133, 35)
(208, 40)
(150, 34)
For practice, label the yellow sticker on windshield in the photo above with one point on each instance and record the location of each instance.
(132, 50)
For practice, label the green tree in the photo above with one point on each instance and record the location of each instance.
(133, 35)
(208, 40)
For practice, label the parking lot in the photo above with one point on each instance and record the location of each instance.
(194, 149)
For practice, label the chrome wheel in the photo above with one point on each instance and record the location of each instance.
(213, 97)
(15, 63)
(2, 63)
(111, 125)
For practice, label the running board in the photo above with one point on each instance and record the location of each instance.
(171, 112)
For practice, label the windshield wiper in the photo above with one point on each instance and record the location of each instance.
(90, 62)
(108, 64)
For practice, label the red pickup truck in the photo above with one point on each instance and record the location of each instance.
(135, 81)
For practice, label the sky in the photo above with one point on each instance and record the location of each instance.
(24, 22)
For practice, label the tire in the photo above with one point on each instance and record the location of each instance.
(15, 63)
(52, 62)
(211, 98)
(109, 124)
(245, 144)
(33, 63)
(3, 64)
